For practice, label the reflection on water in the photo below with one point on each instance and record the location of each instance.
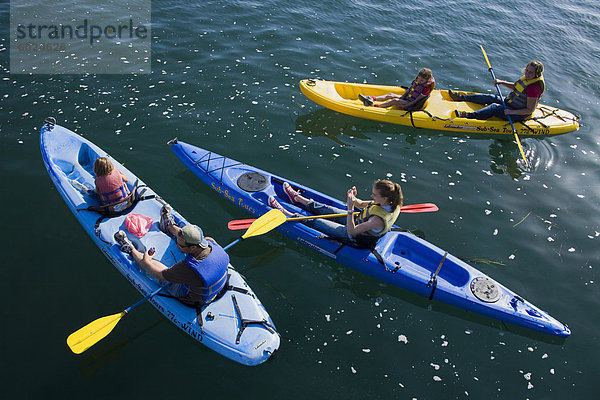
(108, 350)
(329, 124)
(225, 76)
(505, 157)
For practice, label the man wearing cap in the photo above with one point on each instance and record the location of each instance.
(196, 280)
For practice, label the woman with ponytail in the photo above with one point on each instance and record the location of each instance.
(374, 220)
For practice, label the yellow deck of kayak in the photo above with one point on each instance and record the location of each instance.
(438, 112)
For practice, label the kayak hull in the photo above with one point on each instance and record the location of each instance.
(69, 160)
(407, 260)
(438, 112)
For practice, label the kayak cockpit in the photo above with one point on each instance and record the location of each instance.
(405, 250)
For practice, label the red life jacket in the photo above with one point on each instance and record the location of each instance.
(111, 188)
(416, 89)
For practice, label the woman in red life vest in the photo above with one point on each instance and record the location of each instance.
(111, 183)
(420, 88)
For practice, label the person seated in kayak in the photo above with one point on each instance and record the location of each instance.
(375, 219)
(420, 88)
(520, 103)
(196, 280)
(111, 183)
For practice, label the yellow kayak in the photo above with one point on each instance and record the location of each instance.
(437, 113)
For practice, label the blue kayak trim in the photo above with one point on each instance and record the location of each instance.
(69, 160)
(408, 261)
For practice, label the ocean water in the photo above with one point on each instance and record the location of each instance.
(225, 77)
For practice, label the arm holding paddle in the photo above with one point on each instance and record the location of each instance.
(374, 223)
(529, 108)
(508, 84)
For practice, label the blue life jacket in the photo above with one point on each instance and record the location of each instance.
(212, 270)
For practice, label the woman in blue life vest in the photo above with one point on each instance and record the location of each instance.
(520, 103)
(420, 88)
(374, 220)
(196, 280)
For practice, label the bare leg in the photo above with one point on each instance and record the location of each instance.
(173, 229)
(389, 96)
(302, 200)
(394, 102)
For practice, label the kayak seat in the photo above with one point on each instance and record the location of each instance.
(410, 251)
(81, 174)
(79, 178)
(87, 157)
(65, 166)
(419, 105)
(165, 247)
(249, 313)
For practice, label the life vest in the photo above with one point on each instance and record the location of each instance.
(416, 89)
(375, 209)
(517, 99)
(212, 270)
(112, 196)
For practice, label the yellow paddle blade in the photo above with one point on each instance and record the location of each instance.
(265, 223)
(520, 148)
(81, 340)
(486, 57)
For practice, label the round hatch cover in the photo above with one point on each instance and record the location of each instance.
(485, 289)
(252, 182)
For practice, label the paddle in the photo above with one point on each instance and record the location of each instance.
(411, 208)
(504, 105)
(262, 225)
(84, 338)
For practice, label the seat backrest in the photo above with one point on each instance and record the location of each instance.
(419, 105)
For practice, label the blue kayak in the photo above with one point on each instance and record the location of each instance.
(235, 325)
(399, 258)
